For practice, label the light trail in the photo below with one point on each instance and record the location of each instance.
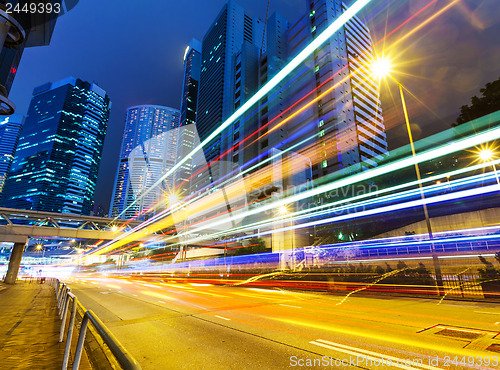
(316, 211)
(449, 148)
(294, 63)
(313, 90)
(460, 144)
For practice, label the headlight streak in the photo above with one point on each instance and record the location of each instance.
(395, 207)
(294, 63)
(460, 144)
(309, 214)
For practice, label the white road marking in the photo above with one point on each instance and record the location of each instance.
(223, 318)
(460, 305)
(373, 356)
(287, 305)
(491, 313)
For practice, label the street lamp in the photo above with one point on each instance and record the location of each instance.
(283, 210)
(380, 69)
(487, 155)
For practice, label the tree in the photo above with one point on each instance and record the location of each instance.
(256, 245)
(488, 103)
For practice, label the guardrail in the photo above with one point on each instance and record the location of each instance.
(64, 296)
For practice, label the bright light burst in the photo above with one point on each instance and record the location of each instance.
(283, 210)
(381, 68)
(486, 154)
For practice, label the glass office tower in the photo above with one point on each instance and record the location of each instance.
(10, 130)
(149, 149)
(57, 159)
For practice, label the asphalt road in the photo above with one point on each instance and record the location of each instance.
(167, 325)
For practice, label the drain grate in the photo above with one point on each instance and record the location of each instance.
(461, 334)
(495, 347)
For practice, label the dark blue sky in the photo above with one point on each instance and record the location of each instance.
(134, 50)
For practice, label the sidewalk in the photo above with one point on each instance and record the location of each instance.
(29, 327)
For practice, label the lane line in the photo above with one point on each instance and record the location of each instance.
(287, 305)
(223, 318)
(373, 356)
(491, 313)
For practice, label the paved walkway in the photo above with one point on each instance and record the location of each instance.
(29, 327)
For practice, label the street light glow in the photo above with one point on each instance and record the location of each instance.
(283, 210)
(172, 198)
(486, 154)
(39, 247)
(381, 68)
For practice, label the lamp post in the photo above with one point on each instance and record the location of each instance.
(380, 69)
(284, 215)
(486, 155)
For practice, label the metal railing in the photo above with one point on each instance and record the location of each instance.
(64, 296)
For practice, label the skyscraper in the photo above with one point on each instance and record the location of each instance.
(224, 39)
(57, 159)
(346, 116)
(149, 149)
(189, 102)
(10, 130)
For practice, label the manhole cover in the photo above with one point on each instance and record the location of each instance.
(495, 347)
(462, 334)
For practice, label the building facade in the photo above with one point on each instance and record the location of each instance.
(10, 130)
(57, 159)
(187, 135)
(222, 42)
(149, 150)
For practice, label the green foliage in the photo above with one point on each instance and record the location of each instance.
(488, 103)
(256, 245)
(489, 272)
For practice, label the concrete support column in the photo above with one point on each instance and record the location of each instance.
(14, 262)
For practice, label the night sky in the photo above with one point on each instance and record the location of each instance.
(134, 50)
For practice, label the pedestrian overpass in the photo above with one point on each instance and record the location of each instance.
(18, 226)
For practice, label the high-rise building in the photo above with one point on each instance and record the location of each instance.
(57, 159)
(346, 116)
(20, 30)
(10, 130)
(192, 66)
(149, 149)
(189, 102)
(224, 39)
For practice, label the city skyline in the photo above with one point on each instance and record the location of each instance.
(480, 26)
(278, 183)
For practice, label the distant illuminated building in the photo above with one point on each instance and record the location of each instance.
(232, 28)
(20, 30)
(189, 102)
(58, 155)
(10, 130)
(149, 149)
